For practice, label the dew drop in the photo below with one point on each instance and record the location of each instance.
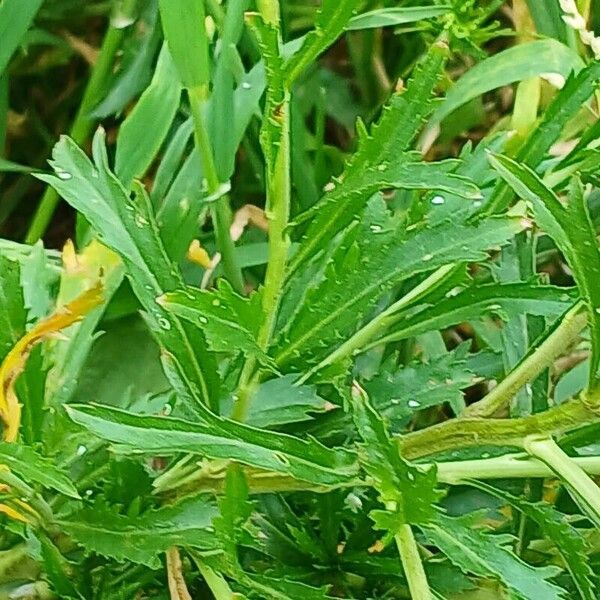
(164, 323)
(427, 257)
(81, 450)
(64, 175)
(375, 228)
(167, 410)
(437, 200)
(414, 403)
(203, 320)
(329, 187)
(246, 85)
(216, 302)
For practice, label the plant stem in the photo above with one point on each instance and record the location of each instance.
(544, 355)
(580, 484)
(277, 212)
(83, 124)
(411, 562)
(220, 207)
(381, 322)
(470, 432)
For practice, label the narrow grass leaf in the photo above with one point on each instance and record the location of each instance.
(16, 16)
(390, 17)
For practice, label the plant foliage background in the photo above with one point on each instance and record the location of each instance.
(299, 299)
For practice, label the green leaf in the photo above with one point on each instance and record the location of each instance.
(144, 130)
(16, 17)
(185, 33)
(129, 228)
(397, 392)
(408, 493)
(482, 554)
(517, 63)
(389, 139)
(228, 321)
(373, 257)
(571, 228)
(330, 21)
(568, 102)
(142, 539)
(32, 467)
(218, 438)
(389, 17)
(502, 299)
(555, 526)
(279, 401)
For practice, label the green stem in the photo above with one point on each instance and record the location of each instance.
(580, 484)
(83, 124)
(474, 431)
(221, 211)
(411, 562)
(381, 322)
(533, 364)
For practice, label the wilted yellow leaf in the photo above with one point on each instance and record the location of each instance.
(14, 363)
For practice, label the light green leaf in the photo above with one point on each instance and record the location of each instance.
(13, 316)
(389, 17)
(142, 539)
(16, 16)
(28, 464)
(144, 130)
(482, 554)
(218, 438)
(185, 33)
(517, 63)
(571, 228)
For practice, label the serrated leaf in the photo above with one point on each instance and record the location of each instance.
(371, 260)
(329, 23)
(408, 493)
(555, 526)
(228, 321)
(479, 553)
(142, 539)
(397, 392)
(306, 460)
(574, 233)
(28, 464)
(281, 400)
(389, 139)
(501, 299)
(129, 228)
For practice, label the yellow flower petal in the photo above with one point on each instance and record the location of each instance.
(13, 514)
(198, 255)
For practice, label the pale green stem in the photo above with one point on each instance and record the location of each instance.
(411, 562)
(545, 354)
(381, 322)
(83, 123)
(579, 483)
(216, 583)
(221, 212)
